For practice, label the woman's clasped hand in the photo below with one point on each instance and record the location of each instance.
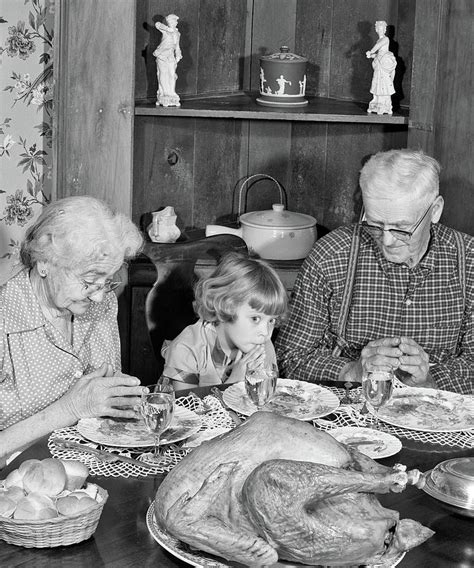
(101, 393)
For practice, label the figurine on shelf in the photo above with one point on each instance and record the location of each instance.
(384, 64)
(168, 54)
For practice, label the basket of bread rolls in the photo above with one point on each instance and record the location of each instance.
(46, 503)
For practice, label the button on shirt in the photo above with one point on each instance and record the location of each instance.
(37, 363)
(388, 300)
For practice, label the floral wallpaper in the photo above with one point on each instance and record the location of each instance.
(26, 114)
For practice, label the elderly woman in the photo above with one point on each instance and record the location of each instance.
(59, 341)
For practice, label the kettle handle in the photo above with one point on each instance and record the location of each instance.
(261, 176)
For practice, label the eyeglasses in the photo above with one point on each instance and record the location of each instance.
(89, 288)
(404, 236)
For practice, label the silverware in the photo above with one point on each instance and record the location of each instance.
(103, 455)
(234, 416)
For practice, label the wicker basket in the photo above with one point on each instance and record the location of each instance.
(59, 531)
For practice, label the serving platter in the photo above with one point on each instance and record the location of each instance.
(295, 399)
(132, 433)
(373, 443)
(428, 410)
(201, 559)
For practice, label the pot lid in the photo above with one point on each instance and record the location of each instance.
(283, 55)
(277, 218)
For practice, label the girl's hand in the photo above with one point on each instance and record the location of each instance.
(251, 360)
(102, 394)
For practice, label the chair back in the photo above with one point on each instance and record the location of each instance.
(169, 304)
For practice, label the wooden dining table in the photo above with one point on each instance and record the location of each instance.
(123, 540)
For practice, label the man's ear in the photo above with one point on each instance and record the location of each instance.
(437, 210)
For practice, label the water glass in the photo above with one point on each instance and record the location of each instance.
(157, 410)
(260, 385)
(377, 388)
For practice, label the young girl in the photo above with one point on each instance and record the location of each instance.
(238, 307)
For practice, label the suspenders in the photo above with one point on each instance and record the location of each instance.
(349, 284)
(347, 293)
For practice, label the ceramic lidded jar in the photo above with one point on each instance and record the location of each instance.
(282, 79)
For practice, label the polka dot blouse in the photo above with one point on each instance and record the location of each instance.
(37, 363)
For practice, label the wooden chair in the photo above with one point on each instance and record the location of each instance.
(169, 304)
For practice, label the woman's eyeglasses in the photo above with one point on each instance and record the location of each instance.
(404, 236)
(92, 288)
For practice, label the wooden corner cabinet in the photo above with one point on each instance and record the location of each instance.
(114, 143)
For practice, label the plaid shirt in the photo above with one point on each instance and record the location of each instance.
(388, 300)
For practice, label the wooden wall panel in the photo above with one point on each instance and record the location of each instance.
(269, 153)
(273, 25)
(326, 160)
(216, 168)
(164, 166)
(222, 29)
(94, 109)
(425, 63)
(441, 117)
(453, 133)
(313, 41)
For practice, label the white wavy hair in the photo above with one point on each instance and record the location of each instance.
(75, 232)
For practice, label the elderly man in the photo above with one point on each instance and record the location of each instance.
(392, 292)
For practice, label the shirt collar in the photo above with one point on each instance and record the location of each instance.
(426, 264)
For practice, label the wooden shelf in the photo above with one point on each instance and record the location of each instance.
(244, 106)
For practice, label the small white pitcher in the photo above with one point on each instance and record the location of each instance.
(163, 227)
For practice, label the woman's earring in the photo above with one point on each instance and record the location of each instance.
(43, 273)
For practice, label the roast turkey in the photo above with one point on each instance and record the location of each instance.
(278, 488)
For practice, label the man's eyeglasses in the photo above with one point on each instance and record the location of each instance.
(89, 288)
(404, 236)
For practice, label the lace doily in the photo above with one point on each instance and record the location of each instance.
(351, 415)
(213, 416)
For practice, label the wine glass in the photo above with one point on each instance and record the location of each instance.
(377, 388)
(260, 384)
(157, 410)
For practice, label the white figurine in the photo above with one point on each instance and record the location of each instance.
(384, 64)
(167, 54)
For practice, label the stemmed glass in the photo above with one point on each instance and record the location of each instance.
(260, 384)
(377, 388)
(157, 410)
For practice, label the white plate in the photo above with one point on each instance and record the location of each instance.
(372, 443)
(134, 434)
(296, 399)
(202, 559)
(429, 410)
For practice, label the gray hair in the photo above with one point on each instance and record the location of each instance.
(77, 231)
(401, 172)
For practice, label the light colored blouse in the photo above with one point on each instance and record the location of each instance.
(37, 363)
(195, 357)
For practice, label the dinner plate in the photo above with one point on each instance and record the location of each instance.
(296, 399)
(132, 433)
(428, 410)
(203, 560)
(372, 443)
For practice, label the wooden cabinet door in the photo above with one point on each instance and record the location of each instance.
(94, 94)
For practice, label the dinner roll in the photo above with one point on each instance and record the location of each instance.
(47, 477)
(71, 504)
(7, 506)
(14, 493)
(13, 479)
(76, 473)
(35, 506)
